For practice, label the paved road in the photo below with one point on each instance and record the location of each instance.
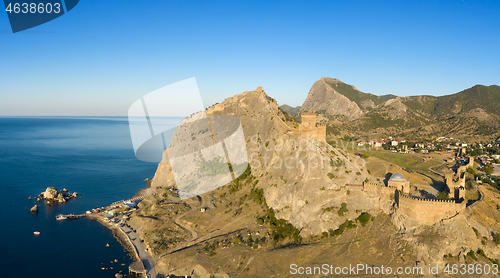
(148, 261)
(436, 172)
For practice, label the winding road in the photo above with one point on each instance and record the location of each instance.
(147, 260)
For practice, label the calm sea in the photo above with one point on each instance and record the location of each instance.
(92, 156)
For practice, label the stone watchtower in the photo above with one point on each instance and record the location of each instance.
(455, 185)
(308, 122)
(308, 127)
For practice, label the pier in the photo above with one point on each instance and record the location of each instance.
(71, 216)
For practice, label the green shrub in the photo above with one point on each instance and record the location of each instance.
(257, 194)
(328, 209)
(343, 209)
(472, 254)
(475, 231)
(496, 238)
(346, 225)
(442, 196)
(364, 218)
(481, 253)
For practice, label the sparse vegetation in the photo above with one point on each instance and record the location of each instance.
(496, 238)
(343, 209)
(442, 196)
(348, 224)
(364, 218)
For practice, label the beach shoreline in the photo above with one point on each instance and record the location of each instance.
(120, 236)
(127, 238)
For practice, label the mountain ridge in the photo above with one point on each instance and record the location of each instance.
(337, 101)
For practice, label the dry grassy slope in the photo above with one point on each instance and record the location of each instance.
(374, 244)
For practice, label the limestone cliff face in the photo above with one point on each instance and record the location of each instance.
(301, 178)
(325, 99)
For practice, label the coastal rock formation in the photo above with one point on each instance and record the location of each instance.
(52, 195)
(34, 208)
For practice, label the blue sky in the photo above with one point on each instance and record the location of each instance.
(103, 55)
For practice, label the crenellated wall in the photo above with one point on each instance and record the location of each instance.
(425, 211)
(428, 211)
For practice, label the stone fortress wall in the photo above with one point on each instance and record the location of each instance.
(428, 211)
(425, 211)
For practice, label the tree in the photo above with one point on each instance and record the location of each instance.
(488, 169)
(442, 196)
(496, 238)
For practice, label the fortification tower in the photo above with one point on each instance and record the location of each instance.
(308, 122)
(455, 185)
(308, 127)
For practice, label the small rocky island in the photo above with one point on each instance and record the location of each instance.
(52, 195)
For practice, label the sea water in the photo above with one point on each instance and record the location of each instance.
(89, 155)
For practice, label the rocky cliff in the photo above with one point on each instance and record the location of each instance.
(300, 178)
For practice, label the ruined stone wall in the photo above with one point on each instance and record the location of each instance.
(428, 211)
(287, 127)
